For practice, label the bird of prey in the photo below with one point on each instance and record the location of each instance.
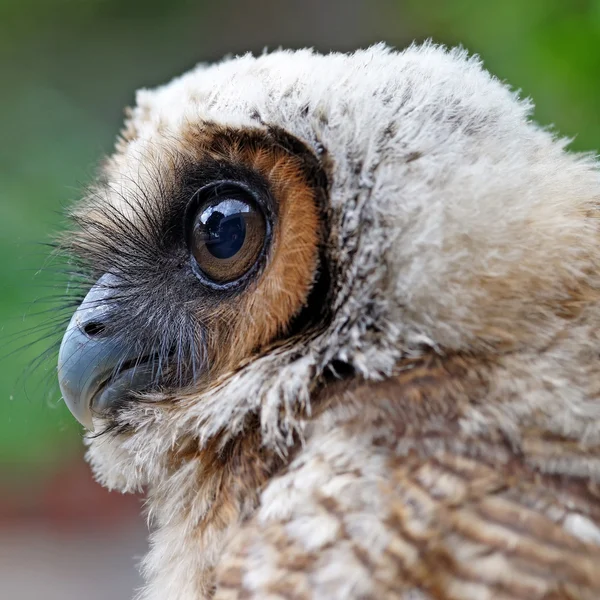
(344, 333)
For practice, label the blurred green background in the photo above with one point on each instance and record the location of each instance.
(69, 67)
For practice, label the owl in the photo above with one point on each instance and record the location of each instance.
(343, 331)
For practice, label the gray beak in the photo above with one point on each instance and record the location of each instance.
(89, 362)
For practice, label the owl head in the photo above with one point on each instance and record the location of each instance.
(269, 224)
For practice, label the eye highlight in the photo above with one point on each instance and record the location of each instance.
(228, 233)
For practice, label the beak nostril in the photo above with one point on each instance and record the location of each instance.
(93, 329)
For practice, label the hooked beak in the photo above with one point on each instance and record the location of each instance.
(95, 370)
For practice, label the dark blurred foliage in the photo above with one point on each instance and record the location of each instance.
(69, 67)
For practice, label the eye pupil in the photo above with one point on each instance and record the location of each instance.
(225, 234)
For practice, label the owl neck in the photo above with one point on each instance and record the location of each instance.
(196, 509)
(527, 403)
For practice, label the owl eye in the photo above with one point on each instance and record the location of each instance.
(228, 233)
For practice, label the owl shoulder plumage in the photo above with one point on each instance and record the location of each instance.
(391, 496)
